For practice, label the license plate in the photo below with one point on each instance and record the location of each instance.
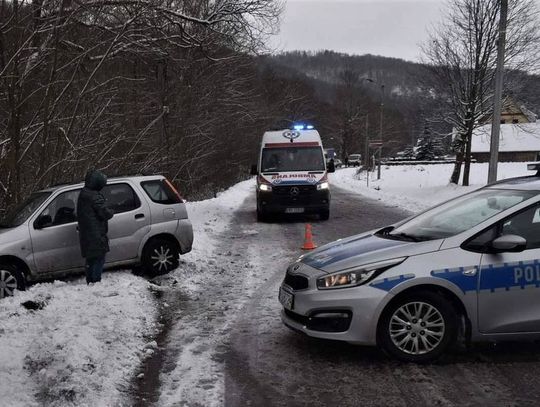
(286, 298)
(294, 210)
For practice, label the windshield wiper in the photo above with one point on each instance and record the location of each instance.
(404, 236)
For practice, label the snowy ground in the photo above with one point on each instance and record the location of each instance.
(417, 187)
(82, 348)
(87, 343)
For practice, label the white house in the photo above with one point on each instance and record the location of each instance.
(518, 142)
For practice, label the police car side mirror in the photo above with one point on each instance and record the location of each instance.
(254, 169)
(509, 243)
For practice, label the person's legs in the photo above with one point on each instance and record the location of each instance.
(90, 270)
(94, 268)
(98, 268)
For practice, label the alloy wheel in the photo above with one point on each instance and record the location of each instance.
(416, 328)
(162, 258)
(8, 283)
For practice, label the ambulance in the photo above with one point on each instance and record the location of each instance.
(292, 174)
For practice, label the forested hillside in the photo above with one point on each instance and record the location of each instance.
(410, 105)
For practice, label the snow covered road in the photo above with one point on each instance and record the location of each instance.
(209, 333)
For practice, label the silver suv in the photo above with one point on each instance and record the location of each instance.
(39, 239)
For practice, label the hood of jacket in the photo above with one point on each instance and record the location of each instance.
(95, 180)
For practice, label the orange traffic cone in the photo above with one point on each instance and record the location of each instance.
(308, 242)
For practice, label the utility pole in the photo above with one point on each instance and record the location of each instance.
(366, 152)
(497, 102)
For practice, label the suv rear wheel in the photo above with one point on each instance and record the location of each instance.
(160, 256)
(419, 327)
(11, 279)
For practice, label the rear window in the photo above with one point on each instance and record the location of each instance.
(161, 191)
(121, 198)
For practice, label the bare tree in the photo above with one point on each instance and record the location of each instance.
(461, 54)
(91, 82)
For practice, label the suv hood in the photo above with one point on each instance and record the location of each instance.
(364, 249)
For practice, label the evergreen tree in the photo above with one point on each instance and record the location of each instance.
(426, 147)
(408, 153)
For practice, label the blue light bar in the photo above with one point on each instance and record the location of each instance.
(303, 127)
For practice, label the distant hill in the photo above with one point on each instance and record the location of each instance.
(404, 91)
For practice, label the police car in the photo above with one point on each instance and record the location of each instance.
(470, 265)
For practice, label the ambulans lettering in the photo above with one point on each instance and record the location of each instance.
(288, 176)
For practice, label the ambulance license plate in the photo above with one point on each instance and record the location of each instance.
(286, 299)
(294, 210)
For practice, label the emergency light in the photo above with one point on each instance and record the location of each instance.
(303, 127)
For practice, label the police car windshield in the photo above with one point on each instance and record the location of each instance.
(459, 215)
(292, 159)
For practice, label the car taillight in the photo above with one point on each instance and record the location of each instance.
(174, 190)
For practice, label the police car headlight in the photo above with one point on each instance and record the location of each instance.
(323, 185)
(356, 276)
(265, 187)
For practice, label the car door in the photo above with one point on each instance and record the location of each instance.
(54, 234)
(130, 223)
(509, 288)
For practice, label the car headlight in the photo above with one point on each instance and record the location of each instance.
(356, 276)
(265, 187)
(323, 185)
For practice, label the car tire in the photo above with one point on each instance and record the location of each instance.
(160, 256)
(11, 279)
(262, 216)
(418, 327)
(324, 215)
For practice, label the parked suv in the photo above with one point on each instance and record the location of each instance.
(39, 239)
(355, 160)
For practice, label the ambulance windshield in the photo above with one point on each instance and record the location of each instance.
(292, 159)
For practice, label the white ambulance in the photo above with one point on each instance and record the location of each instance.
(292, 174)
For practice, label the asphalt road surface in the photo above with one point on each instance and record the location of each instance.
(259, 362)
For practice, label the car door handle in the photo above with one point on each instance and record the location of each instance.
(470, 272)
(139, 216)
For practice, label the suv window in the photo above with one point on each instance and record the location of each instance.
(121, 197)
(62, 210)
(161, 191)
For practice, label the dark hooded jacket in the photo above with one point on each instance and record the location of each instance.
(93, 215)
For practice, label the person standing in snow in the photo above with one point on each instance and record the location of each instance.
(93, 216)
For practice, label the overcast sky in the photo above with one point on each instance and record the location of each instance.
(392, 28)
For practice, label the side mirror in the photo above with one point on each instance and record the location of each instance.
(254, 169)
(331, 167)
(43, 221)
(509, 243)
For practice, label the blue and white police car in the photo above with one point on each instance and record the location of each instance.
(470, 265)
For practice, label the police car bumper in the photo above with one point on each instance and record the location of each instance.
(349, 314)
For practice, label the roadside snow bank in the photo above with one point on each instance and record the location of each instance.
(210, 218)
(82, 348)
(417, 187)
